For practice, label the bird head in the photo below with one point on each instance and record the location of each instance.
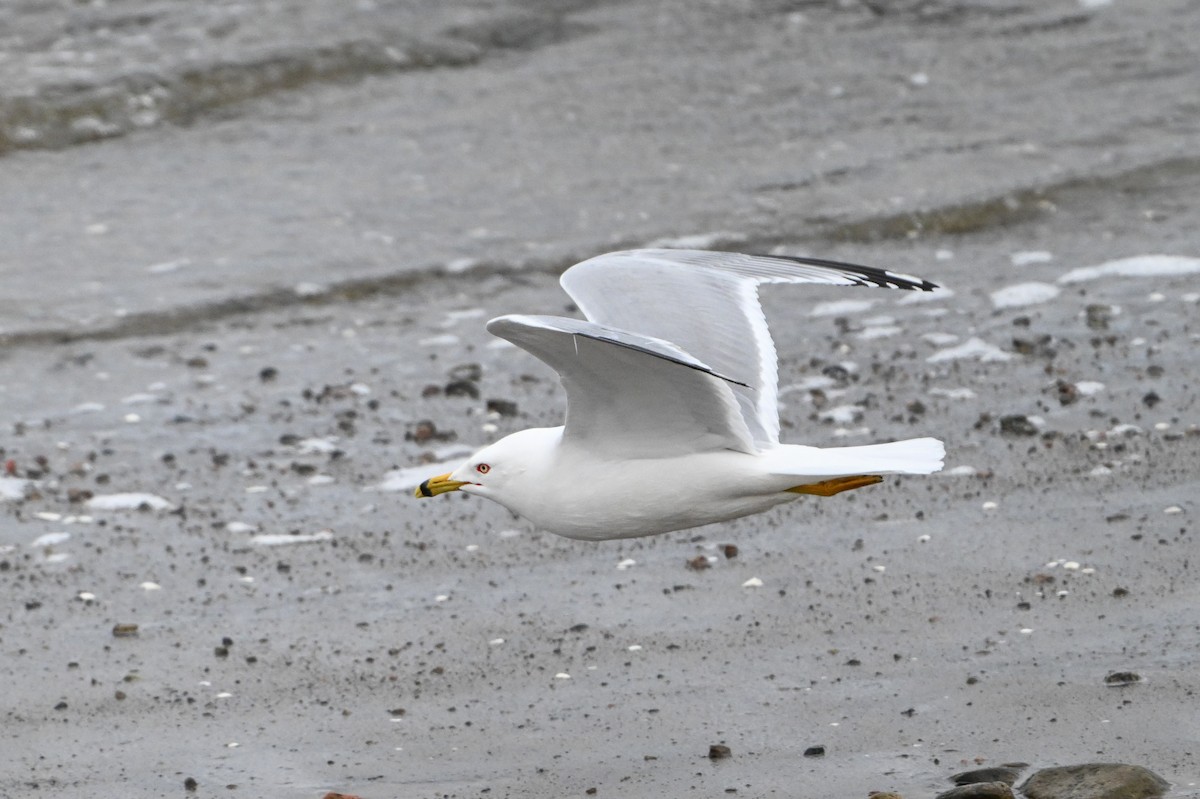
(499, 470)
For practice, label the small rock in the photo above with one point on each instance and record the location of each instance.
(190, 784)
(1119, 678)
(884, 795)
(1095, 781)
(699, 563)
(979, 790)
(1151, 399)
(462, 388)
(124, 630)
(730, 550)
(1068, 393)
(718, 752)
(815, 751)
(1007, 774)
(1017, 425)
(502, 407)
(1098, 316)
(267, 374)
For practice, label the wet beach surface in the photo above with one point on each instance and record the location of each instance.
(269, 320)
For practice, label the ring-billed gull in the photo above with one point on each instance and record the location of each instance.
(672, 415)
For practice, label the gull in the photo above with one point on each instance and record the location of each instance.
(672, 410)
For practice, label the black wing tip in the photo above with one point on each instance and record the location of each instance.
(867, 275)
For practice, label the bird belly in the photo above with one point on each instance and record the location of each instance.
(627, 499)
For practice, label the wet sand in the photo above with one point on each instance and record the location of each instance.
(912, 629)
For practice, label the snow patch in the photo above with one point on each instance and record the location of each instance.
(1136, 266)
(975, 348)
(129, 501)
(1022, 294)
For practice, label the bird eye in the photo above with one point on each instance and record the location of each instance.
(483, 468)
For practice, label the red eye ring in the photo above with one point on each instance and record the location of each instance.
(483, 468)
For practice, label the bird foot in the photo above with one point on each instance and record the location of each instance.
(827, 488)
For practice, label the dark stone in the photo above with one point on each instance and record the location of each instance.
(462, 388)
(1017, 425)
(1095, 781)
(1098, 316)
(1006, 774)
(1151, 399)
(470, 372)
(719, 752)
(1118, 678)
(979, 790)
(815, 751)
(502, 407)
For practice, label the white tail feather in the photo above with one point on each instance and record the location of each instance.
(913, 456)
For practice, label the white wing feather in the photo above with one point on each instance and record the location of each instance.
(707, 304)
(631, 396)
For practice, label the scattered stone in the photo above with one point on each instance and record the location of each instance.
(718, 752)
(431, 390)
(884, 795)
(425, 431)
(462, 388)
(1151, 399)
(502, 407)
(267, 374)
(1095, 781)
(1098, 316)
(190, 784)
(730, 550)
(699, 563)
(1017, 425)
(124, 630)
(979, 790)
(1068, 393)
(815, 751)
(1119, 678)
(1007, 774)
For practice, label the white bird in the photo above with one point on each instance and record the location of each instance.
(672, 414)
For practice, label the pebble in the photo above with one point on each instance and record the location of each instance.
(1007, 774)
(979, 790)
(718, 752)
(1121, 678)
(815, 751)
(1095, 781)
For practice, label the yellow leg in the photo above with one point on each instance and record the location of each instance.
(827, 488)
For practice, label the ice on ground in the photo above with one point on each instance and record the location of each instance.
(841, 307)
(317, 446)
(1136, 266)
(953, 393)
(810, 383)
(1089, 387)
(975, 348)
(282, 539)
(940, 339)
(129, 501)
(239, 528)
(444, 340)
(882, 331)
(13, 487)
(50, 540)
(1022, 294)
(409, 478)
(962, 471)
(1026, 257)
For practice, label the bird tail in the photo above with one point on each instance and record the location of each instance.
(913, 456)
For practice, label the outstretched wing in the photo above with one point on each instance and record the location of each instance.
(628, 395)
(707, 304)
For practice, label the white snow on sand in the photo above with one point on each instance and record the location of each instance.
(1137, 266)
(1022, 294)
(13, 488)
(919, 297)
(283, 539)
(130, 501)
(1026, 257)
(972, 348)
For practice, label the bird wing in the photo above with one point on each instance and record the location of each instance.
(629, 395)
(707, 304)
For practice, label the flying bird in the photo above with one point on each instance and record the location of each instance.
(672, 409)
